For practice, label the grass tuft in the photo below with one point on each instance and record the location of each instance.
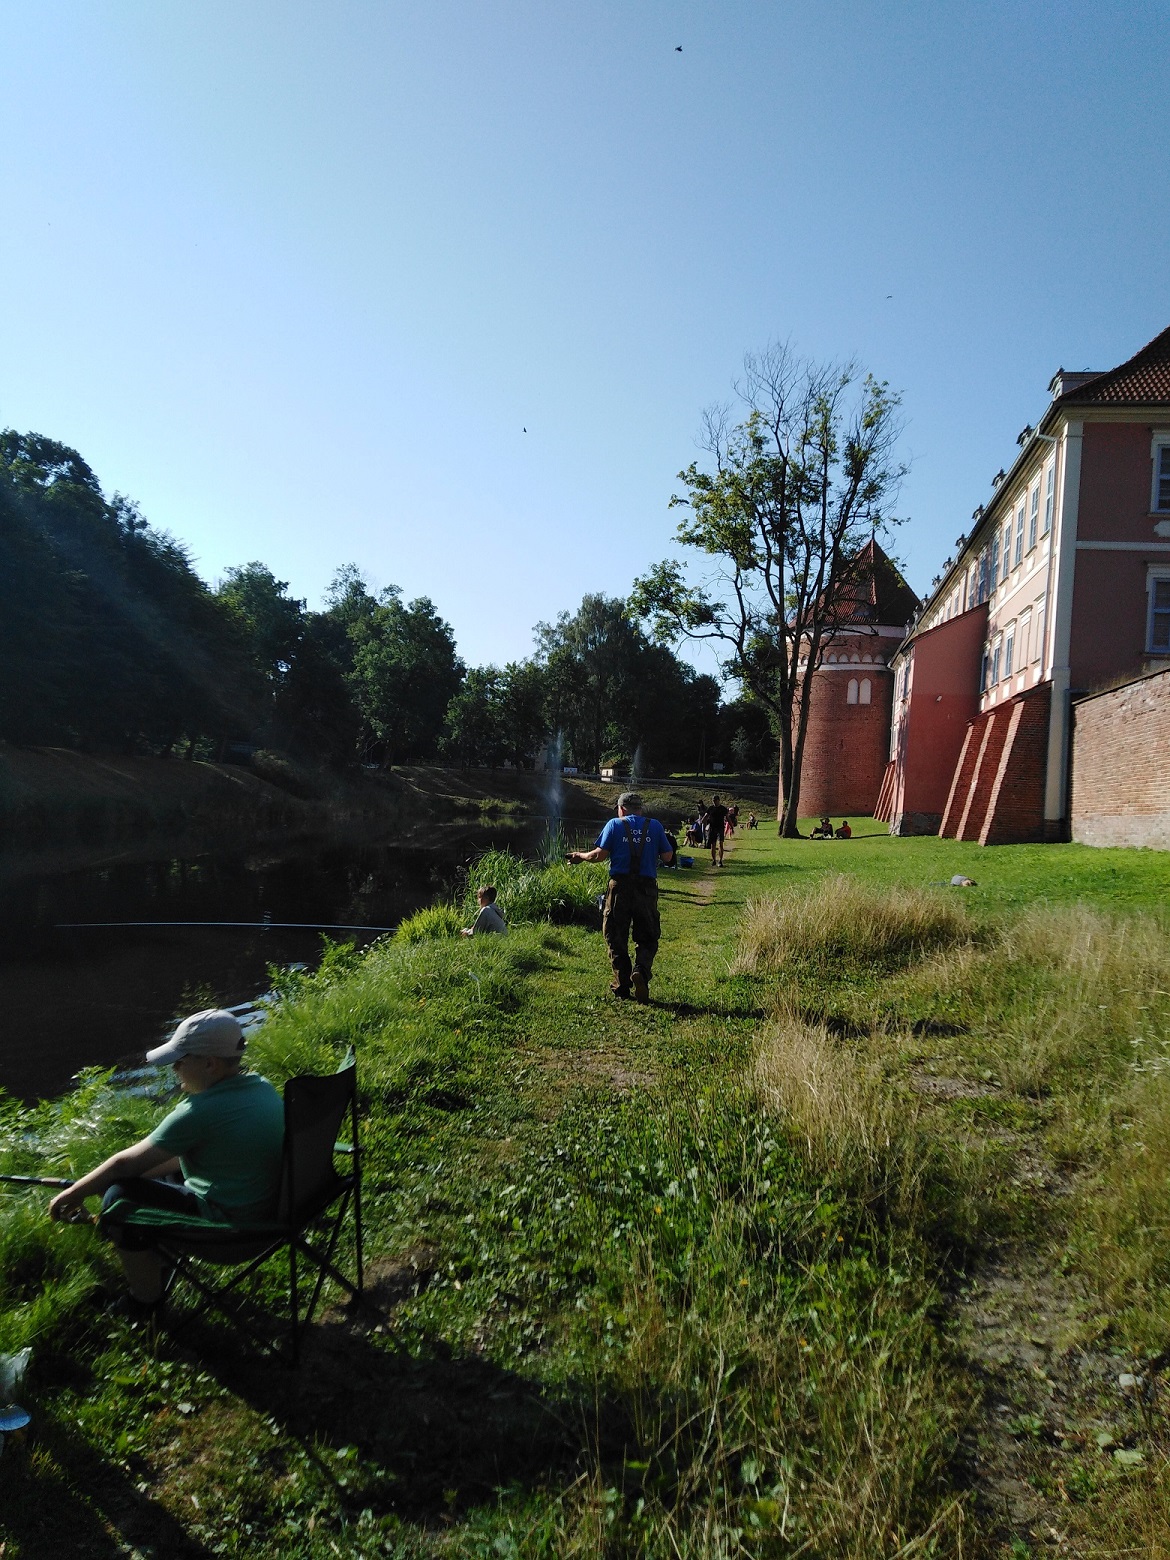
(842, 921)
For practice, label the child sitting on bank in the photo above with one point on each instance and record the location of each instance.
(489, 918)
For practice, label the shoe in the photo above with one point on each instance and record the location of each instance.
(640, 986)
(621, 992)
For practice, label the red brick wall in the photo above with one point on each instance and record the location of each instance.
(847, 745)
(1121, 765)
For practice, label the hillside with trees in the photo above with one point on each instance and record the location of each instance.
(110, 642)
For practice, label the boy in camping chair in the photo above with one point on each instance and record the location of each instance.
(225, 1137)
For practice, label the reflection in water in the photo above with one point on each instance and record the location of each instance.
(84, 997)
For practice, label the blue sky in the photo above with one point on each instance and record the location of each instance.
(297, 276)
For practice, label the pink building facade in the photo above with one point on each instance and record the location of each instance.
(1063, 585)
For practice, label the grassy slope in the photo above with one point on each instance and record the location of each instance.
(625, 1302)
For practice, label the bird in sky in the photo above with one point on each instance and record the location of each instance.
(678, 48)
(524, 430)
(889, 296)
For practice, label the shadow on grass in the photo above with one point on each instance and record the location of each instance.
(436, 1432)
(61, 1497)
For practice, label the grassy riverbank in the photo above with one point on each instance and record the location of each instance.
(838, 1249)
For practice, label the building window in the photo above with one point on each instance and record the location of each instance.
(1049, 499)
(1022, 637)
(993, 571)
(1158, 633)
(1034, 517)
(1018, 556)
(866, 690)
(996, 661)
(1041, 624)
(1161, 503)
(984, 669)
(851, 692)
(1007, 549)
(1009, 650)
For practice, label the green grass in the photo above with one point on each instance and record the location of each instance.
(662, 1281)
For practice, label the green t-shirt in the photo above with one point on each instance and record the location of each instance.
(229, 1140)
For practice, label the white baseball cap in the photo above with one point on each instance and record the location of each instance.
(214, 1032)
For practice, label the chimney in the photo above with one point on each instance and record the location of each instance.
(1065, 381)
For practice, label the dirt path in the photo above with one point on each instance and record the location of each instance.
(1060, 1412)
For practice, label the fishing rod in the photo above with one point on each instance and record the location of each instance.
(308, 926)
(56, 1181)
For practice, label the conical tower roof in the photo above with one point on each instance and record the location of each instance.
(875, 592)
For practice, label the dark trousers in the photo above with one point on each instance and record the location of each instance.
(121, 1200)
(631, 904)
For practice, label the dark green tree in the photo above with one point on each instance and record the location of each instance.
(405, 674)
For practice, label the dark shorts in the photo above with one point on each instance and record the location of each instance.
(123, 1199)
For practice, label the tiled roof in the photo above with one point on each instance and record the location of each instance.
(876, 592)
(1144, 378)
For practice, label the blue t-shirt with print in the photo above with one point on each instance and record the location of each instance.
(616, 840)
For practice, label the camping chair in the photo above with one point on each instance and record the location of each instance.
(312, 1194)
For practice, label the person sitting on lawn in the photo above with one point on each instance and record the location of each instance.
(225, 1139)
(823, 830)
(844, 832)
(489, 918)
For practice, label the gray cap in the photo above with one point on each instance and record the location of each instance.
(631, 801)
(214, 1032)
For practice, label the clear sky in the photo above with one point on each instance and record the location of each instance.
(297, 276)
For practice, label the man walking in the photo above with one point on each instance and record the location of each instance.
(716, 825)
(633, 844)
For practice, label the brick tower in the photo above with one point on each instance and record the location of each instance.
(847, 742)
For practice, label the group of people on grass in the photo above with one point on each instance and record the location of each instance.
(825, 830)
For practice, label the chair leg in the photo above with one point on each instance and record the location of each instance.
(294, 1302)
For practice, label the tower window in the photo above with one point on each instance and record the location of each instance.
(866, 690)
(851, 692)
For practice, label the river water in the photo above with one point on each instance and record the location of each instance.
(73, 996)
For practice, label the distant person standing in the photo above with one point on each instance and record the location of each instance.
(716, 825)
(633, 844)
(752, 824)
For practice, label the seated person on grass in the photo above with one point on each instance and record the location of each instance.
(489, 918)
(823, 830)
(225, 1138)
(844, 832)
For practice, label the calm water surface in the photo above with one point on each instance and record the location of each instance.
(99, 996)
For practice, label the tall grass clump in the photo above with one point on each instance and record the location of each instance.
(47, 1269)
(432, 921)
(1060, 998)
(861, 1132)
(526, 892)
(844, 923)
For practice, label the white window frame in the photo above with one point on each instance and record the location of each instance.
(1034, 518)
(1006, 561)
(1023, 637)
(1009, 651)
(1156, 574)
(1160, 461)
(1018, 548)
(1041, 616)
(996, 660)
